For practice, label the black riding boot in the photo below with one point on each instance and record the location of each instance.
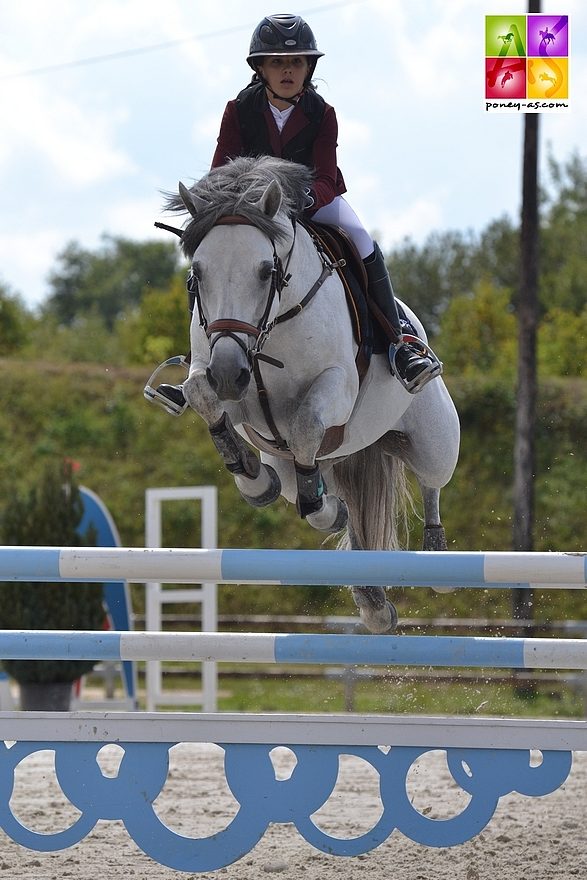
(410, 358)
(173, 393)
(170, 397)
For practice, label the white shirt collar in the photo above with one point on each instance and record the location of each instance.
(281, 116)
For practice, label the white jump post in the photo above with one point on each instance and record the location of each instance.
(487, 757)
(205, 594)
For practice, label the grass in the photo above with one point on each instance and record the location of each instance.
(386, 694)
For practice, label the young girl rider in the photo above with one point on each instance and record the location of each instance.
(280, 114)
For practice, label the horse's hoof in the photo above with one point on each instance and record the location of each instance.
(270, 494)
(377, 613)
(434, 538)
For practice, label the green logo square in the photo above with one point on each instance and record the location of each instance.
(505, 35)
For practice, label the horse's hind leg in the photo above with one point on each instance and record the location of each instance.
(434, 535)
(372, 482)
(376, 611)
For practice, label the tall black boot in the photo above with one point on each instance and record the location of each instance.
(409, 357)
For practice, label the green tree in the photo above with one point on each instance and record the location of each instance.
(49, 514)
(450, 264)
(159, 327)
(562, 343)
(478, 334)
(110, 280)
(563, 255)
(88, 340)
(15, 322)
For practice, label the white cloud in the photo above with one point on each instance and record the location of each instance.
(29, 255)
(357, 132)
(134, 218)
(416, 221)
(205, 128)
(77, 139)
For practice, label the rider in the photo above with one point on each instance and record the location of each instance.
(280, 114)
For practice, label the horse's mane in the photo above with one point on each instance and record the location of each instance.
(235, 188)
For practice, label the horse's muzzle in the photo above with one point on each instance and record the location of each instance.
(228, 386)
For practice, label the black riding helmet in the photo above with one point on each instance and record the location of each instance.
(283, 35)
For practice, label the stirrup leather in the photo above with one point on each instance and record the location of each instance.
(153, 396)
(424, 376)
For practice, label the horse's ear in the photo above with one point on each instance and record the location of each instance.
(270, 201)
(192, 202)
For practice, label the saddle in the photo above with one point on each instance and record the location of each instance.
(337, 245)
(370, 326)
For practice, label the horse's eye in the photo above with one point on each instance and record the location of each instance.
(265, 270)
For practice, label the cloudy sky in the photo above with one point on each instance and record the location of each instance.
(104, 104)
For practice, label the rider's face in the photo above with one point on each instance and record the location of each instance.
(285, 74)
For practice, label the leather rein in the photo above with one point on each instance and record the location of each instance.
(260, 332)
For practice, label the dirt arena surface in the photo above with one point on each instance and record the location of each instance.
(538, 838)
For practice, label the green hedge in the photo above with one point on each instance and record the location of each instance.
(98, 417)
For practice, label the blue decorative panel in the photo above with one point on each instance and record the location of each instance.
(485, 774)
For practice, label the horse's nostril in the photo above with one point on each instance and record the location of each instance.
(242, 380)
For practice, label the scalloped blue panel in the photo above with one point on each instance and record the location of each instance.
(485, 774)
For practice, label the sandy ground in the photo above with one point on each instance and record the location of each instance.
(538, 838)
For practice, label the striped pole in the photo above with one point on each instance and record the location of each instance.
(336, 567)
(458, 651)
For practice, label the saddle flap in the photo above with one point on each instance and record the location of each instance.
(338, 246)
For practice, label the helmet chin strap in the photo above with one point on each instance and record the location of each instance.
(293, 100)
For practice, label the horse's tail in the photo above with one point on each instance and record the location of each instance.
(374, 485)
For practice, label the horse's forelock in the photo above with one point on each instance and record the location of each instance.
(236, 188)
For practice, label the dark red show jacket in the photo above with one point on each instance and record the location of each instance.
(328, 181)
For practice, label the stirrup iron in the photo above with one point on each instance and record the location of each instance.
(153, 396)
(424, 376)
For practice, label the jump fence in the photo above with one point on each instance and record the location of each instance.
(488, 757)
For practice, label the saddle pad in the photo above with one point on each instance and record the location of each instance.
(338, 246)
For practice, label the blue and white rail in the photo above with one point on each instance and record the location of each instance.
(351, 568)
(457, 651)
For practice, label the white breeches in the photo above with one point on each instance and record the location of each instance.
(339, 213)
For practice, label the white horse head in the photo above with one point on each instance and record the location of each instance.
(237, 272)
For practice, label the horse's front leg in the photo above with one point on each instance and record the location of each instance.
(257, 483)
(328, 402)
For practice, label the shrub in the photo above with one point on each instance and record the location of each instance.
(48, 515)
